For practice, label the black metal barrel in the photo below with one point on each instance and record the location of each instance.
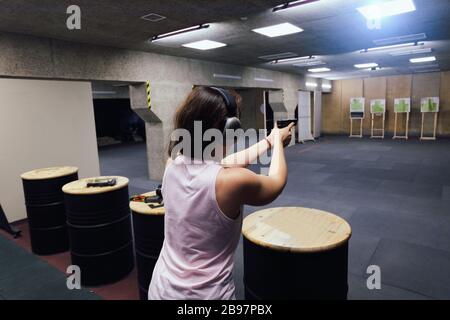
(148, 227)
(100, 233)
(44, 201)
(295, 253)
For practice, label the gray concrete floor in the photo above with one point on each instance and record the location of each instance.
(395, 195)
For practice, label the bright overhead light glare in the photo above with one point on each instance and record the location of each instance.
(394, 46)
(410, 52)
(314, 70)
(278, 30)
(204, 45)
(366, 65)
(424, 59)
(292, 4)
(177, 32)
(386, 9)
(326, 86)
(311, 84)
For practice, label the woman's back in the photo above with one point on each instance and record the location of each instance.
(197, 258)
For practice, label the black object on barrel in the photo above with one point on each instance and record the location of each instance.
(44, 200)
(295, 253)
(148, 226)
(99, 230)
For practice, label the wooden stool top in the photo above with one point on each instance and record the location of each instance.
(79, 187)
(143, 208)
(296, 229)
(48, 173)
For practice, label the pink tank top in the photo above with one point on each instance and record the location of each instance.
(197, 258)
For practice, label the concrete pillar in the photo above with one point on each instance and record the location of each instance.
(166, 97)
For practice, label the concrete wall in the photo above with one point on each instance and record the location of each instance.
(43, 124)
(172, 78)
(252, 116)
(335, 116)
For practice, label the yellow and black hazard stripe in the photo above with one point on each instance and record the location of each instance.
(149, 95)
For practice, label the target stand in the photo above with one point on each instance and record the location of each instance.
(396, 136)
(422, 133)
(378, 133)
(355, 116)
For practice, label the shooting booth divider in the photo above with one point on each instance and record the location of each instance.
(429, 105)
(378, 111)
(356, 114)
(401, 106)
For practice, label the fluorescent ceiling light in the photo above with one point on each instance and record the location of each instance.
(263, 79)
(319, 70)
(374, 69)
(311, 84)
(278, 30)
(395, 46)
(424, 66)
(226, 76)
(292, 60)
(410, 52)
(309, 63)
(326, 86)
(427, 71)
(400, 39)
(204, 45)
(104, 92)
(292, 4)
(366, 65)
(386, 9)
(424, 59)
(278, 56)
(177, 32)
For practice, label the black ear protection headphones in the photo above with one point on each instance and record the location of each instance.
(231, 121)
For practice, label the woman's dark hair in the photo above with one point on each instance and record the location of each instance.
(202, 104)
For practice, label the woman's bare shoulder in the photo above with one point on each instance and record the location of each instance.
(235, 177)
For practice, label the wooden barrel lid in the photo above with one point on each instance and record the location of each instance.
(296, 229)
(48, 173)
(79, 187)
(143, 208)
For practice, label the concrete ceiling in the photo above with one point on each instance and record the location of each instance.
(334, 30)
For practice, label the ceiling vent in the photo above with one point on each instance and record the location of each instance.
(278, 56)
(400, 39)
(153, 17)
